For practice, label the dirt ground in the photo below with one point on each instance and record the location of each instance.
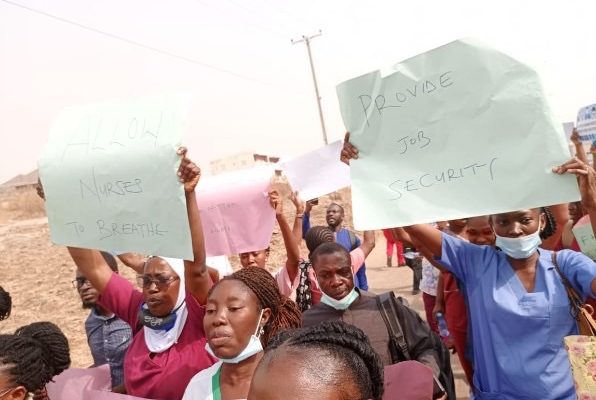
(38, 274)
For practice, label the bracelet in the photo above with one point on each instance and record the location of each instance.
(299, 215)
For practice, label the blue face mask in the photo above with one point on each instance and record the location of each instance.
(157, 323)
(520, 247)
(253, 347)
(342, 304)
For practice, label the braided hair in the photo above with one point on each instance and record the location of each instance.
(551, 223)
(5, 304)
(318, 235)
(284, 312)
(34, 354)
(335, 345)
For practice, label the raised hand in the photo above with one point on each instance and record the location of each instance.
(298, 203)
(188, 172)
(276, 202)
(348, 152)
(586, 180)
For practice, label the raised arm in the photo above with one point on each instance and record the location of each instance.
(368, 242)
(93, 266)
(306, 217)
(587, 184)
(298, 218)
(292, 247)
(134, 261)
(401, 234)
(196, 273)
(428, 237)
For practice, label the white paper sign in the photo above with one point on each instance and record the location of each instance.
(318, 173)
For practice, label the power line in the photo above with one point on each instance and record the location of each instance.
(135, 43)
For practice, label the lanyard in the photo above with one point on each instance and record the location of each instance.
(215, 388)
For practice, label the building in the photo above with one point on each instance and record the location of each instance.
(21, 182)
(240, 161)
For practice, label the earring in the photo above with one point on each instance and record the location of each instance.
(261, 330)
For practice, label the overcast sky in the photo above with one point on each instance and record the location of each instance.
(251, 88)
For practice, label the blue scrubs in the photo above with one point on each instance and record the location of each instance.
(518, 336)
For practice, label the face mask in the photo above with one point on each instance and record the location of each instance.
(253, 347)
(520, 247)
(158, 323)
(342, 304)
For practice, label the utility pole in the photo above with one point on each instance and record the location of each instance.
(306, 40)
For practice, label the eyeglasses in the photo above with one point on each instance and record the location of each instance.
(161, 282)
(79, 282)
(6, 390)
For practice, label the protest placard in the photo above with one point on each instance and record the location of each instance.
(85, 383)
(73, 382)
(586, 123)
(109, 175)
(585, 236)
(318, 172)
(235, 211)
(458, 131)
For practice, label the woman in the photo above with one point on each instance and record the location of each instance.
(568, 240)
(168, 344)
(259, 258)
(244, 310)
(519, 312)
(329, 361)
(30, 358)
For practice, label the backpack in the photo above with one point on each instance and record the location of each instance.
(417, 338)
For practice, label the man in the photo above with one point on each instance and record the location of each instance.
(335, 217)
(342, 301)
(107, 335)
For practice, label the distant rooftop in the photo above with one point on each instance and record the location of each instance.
(21, 180)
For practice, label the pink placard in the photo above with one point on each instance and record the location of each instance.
(72, 383)
(84, 383)
(102, 395)
(408, 380)
(235, 211)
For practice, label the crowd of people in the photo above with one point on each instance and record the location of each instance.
(312, 329)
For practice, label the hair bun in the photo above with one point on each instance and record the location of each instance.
(51, 342)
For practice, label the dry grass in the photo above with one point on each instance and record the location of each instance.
(20, 205)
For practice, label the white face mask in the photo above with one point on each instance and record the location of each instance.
(342, 304)
(520, 247)
(253, 347)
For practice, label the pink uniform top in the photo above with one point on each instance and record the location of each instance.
(288, 288)
(161, 376)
